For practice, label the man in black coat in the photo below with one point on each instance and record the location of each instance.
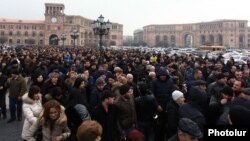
(104, 113)
(3, 89)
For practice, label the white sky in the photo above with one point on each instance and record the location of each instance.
(134, 14)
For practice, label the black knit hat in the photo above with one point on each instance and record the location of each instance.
(124, 89)
(227, 91)
(106, 94)
(220, 76)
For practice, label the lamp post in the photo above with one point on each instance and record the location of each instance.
(101, 28)
(74, 35)
(63, 38)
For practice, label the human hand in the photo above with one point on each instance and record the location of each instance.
(223, 101)
(57, 138)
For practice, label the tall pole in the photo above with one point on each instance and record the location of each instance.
(74, 39)
(101, 50)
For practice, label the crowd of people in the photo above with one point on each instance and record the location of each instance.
(71, 94)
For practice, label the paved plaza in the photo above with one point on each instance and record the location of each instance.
(10, 131)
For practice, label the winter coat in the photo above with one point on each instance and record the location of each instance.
(31, 110)
(60, 127)
(162, 91)
(126, 114)
(18, 87)
(108, 122)
(172, 118)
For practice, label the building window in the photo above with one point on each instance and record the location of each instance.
(59, 28)
(33, 34)
(114, 37)
(18, 41)
(10, 41)
(2, 33)
(26, 33)
(41, 42)
(10, 33)
(232, 40)
(41, 34)
(18, 33)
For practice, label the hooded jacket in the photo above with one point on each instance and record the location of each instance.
(31, 110)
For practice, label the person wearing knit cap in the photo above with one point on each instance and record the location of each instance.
(220, 76)
(173, 112)
(227, 91)
(124, 89)
(178, 97)
(104, 114)
(126, 114)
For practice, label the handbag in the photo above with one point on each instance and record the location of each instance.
(39, 134)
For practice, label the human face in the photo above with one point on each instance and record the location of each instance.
(36, 96)
(53, 114)
(111, 100)
(129, 94)
(40, 78)
(186, 137)
(180, 100)
(82, 85)
(237, 86)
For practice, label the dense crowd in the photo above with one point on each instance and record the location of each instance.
(74, 94)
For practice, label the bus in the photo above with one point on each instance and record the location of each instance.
(213, 48)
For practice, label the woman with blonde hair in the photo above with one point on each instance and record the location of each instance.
(53, 122)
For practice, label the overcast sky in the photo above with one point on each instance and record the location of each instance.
(134, 14)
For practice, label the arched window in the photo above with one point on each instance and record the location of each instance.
(172, 41)
(241, 41)
(203, 39)
(211, 39)
(18, 33)
(220, 40)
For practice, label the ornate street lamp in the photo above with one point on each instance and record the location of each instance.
(101, 28)
(63, 38)
(74, 35)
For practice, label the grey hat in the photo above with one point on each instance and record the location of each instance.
(190, 127)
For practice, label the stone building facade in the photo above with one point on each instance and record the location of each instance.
(229, 33)
(55, 26)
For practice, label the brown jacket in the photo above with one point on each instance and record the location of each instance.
(17, 87)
